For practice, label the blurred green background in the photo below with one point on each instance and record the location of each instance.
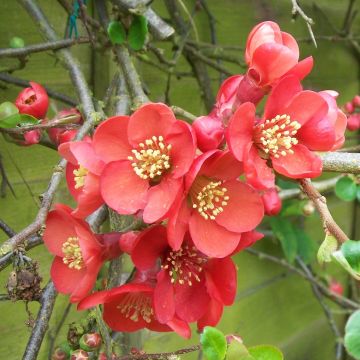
(273, 306)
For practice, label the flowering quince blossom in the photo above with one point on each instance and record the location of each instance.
(83, 175)
(130, 307)
(295, 123)
(352, 110)
(189, 284)
(215, 207)
(79, 254)
(147, 155)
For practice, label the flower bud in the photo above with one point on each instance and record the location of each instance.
(336, 288)
(90, 342)
(16, 42)
(59, 354)
(32, 137)
(308, 208)
(33, 101)
(353, 122)
(272, 202)
(356, 101)
(349, 107)
(102, 356)
(209, 132)
(79, 355)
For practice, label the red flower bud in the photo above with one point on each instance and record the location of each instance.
(356, 101)
(33, 101)
(79, 355)
(336, 288)
(32, 137)
(209, 132)
(349, 107)
(353, 122)
(90, 342)
(272, 202)
(59, 354)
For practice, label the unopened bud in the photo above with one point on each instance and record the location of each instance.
(308, 208)
(79, 355)
(233, 337)
(16, 42)
(336, 287)
(102, 356)
(59, 354)
(90, 342)
(356, 101)
(349, 107)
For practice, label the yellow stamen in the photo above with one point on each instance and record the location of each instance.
(79, 176)
(72, 253)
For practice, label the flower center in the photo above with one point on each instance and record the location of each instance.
(152, 158)
(209, 198)
(276, 136)
(72, 253)
(30, 100)
(79, 176)
(185, 265)
(135, 305)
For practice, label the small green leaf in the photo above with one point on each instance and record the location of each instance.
(237, 351)
(326, 249)
(138, 32)
(306, 246)
(346, 189)
(213, 343)
(18, 119)
(293, 207)
(16, 42)
(349, 257)
(265, 352)
(116, 32)
(286, 234)
(7, 109)
(352, 335)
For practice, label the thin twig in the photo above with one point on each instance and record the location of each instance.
(183, 113)
(6, 228)
(47, 301)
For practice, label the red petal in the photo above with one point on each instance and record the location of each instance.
(148, 121)
(183, 142)
(59, 227)
(290, 43)
(70, 179)
(302, 68)
(191, 302)
(90, 246)
(244, 210)
(180, 327)
(248, 239)
(212, 315)
(150, 245)
(221, 280)
(281, 96)
(160, 198)
(210, 238)
(122, 189)
(66, 280)
(240, 130)
(110, 139)
(164, 302)
(302, 164)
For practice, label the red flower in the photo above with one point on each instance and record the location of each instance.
(190, 285)
(148, 154)
(271, 53)
(210, 129)
(33, 101)
(129, 307)
(295, 123)
(79, 254)
(83, 175)
(216, 207)
(272, 202)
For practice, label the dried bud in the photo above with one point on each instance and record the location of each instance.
(79, 355)
(74, 334)
(90, 342)
(308, 208)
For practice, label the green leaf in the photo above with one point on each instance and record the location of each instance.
(349, 257)
(346, 189)
(326, 249)
(237, 351)
(286, 184)
(293, 207)
(265, 352)
(7, 109)
(352, 335)
(16, 42)
(116, 32)
(138, 32)
(306, 246)
(18, 119)
(213, 343)
(284, 231)
(358, 193)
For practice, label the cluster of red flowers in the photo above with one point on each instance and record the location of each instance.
(352, 110)
(184, 182)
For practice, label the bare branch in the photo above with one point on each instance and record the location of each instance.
(341, 162)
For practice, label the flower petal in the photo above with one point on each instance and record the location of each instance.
(244, 209)
(210, 238)
(212, 315)
(164, 301)
(122, 189)
(248, 239)
(302, 164)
